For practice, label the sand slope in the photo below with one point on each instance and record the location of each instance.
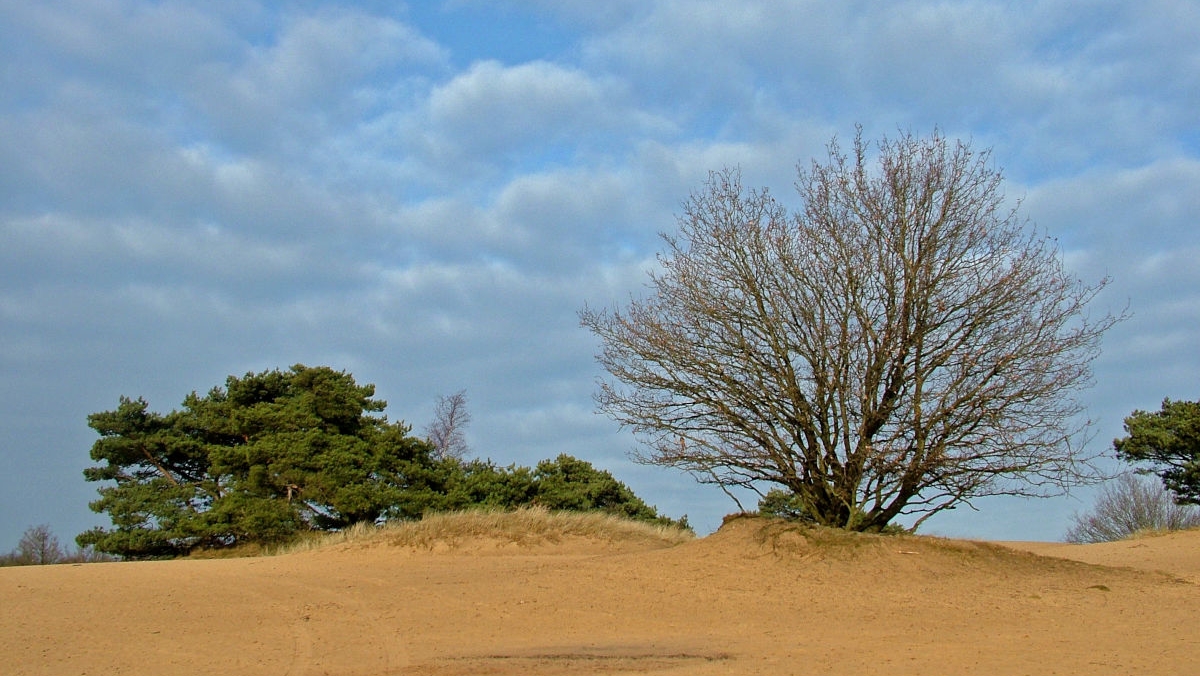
(1175, 553)
(754, 598)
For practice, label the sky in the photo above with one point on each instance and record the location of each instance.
(425, 194)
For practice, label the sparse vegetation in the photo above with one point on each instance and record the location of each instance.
(525, 526)
(1130, 506)
(804, 540)
(39, 546)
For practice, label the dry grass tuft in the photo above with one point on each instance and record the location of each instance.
(527, 527)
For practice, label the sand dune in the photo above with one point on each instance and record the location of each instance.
(1177, 553)
(757, 597)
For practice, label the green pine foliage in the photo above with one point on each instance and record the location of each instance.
(272, 455)
(267, 456)
(1168, 440)
(562, 484)
(574, 485)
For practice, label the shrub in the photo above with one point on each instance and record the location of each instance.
(562, 484)
(1128, 506)
(784, 505)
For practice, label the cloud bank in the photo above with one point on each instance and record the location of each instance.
(426, 195)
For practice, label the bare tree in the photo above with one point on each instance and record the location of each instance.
(446, 432)
(901, 345)
(38, 546)
(1128, 506)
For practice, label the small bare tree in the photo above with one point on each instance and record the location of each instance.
(901, 345)
(447, 431)
(1128, 506)
(38, 546)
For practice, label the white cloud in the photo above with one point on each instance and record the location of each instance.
(1051, 85)
(320, 72)
(1136, 225)
(1138, 208)
(596, 15)
(122, 44)
(497, 113)
(76, 256)
(516, 98)
(319, 60)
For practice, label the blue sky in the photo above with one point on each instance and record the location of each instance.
(425, 194)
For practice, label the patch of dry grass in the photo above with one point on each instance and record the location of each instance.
(523, 527)
(1144, 533)
(245, 551)
(806, 542)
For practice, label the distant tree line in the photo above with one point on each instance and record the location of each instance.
(39, 546)
(274, 454)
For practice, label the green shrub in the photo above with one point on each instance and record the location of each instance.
(784, 505)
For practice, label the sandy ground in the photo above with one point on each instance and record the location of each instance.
(753, 598)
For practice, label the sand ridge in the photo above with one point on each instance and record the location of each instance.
(1175, 553)
(754, 598)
